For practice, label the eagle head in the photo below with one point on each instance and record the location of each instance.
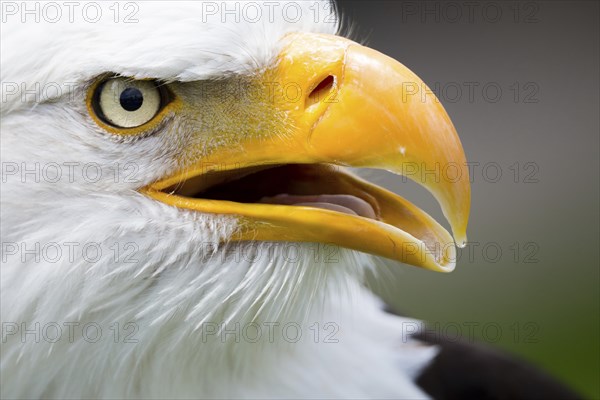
(175, 197)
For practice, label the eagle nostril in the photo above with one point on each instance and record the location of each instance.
(321, 92)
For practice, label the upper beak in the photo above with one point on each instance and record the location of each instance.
(344, 104)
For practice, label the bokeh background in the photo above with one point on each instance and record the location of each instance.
(528, 281)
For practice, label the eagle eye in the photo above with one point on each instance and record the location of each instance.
(124, 103)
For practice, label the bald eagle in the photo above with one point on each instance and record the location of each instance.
(178, 219)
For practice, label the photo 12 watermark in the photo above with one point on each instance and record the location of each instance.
(69, 172)
(269, 332)
(70, 251)
(474, 331)
(471, 92)
(267, 11)
(69, 332)
(470, 12)
(53, 12)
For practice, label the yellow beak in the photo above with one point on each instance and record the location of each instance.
(339, 104)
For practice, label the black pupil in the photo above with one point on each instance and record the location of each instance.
(131, 99)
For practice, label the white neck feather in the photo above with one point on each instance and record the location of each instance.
(185, 322)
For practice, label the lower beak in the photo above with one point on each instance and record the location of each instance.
(340, 104)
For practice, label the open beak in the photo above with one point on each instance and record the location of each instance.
(336, 104)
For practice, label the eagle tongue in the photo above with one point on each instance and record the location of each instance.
(343, 203)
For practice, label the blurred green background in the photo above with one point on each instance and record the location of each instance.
(521, 83)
